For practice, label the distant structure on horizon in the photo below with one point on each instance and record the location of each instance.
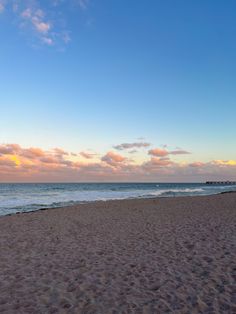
(221, 182)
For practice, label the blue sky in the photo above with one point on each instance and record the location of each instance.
(83, 75)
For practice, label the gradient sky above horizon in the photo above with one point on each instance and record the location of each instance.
(88, 75)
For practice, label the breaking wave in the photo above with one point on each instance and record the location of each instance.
(29, 197)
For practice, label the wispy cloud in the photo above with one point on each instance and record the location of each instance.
(2, 5)
(87, 155)
(36, 19)
(83, 4)
(125, 146)
(45, 21)
(179, 152)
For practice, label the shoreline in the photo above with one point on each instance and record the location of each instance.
(115, 200)
(162, 255)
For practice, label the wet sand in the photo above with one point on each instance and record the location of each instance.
(166, 255)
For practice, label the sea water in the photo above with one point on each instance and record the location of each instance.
(23, 197)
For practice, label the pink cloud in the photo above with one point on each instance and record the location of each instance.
(9, 149)
(161, 152)
(35, 164)
(159, 162)
(27, 14)
(158, 152)
(42, 27)
(49, 160)
(32, 152)
(36, 17)
(46, 21)
(112, 158)
(48, 41)
(7, 162)
(60, 152)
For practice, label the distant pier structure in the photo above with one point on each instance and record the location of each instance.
(221, 182)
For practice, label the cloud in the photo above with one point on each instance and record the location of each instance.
(158, 162)
(60, 152)
(7, 162)
(49, 160)
(87, 155)
(225, 162)
(113, 159)
(35, 17)
(18, 163)
(73, 154)
(197, 164)
(33, 155)
(83, 4)
(31, 152)
(9, 149)
(124, 146)
(161, 152)
(158, 152)
(133, 151)
(179, 152)
(41, 27)
(46, 21)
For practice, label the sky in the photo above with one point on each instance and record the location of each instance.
(108, 90)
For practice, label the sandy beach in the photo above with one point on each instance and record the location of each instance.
(166, 255)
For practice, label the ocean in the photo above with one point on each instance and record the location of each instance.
(23, 197)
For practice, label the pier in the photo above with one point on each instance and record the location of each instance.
(221, 182)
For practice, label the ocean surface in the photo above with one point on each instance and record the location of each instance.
(20, 197)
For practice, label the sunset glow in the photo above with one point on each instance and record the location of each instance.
(35, 164)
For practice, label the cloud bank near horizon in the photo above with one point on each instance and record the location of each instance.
(33, 164)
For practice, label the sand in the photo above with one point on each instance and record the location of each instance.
(166, 255)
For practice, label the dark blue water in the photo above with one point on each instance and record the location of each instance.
(27, 197)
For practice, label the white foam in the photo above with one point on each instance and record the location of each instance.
(33, 198)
